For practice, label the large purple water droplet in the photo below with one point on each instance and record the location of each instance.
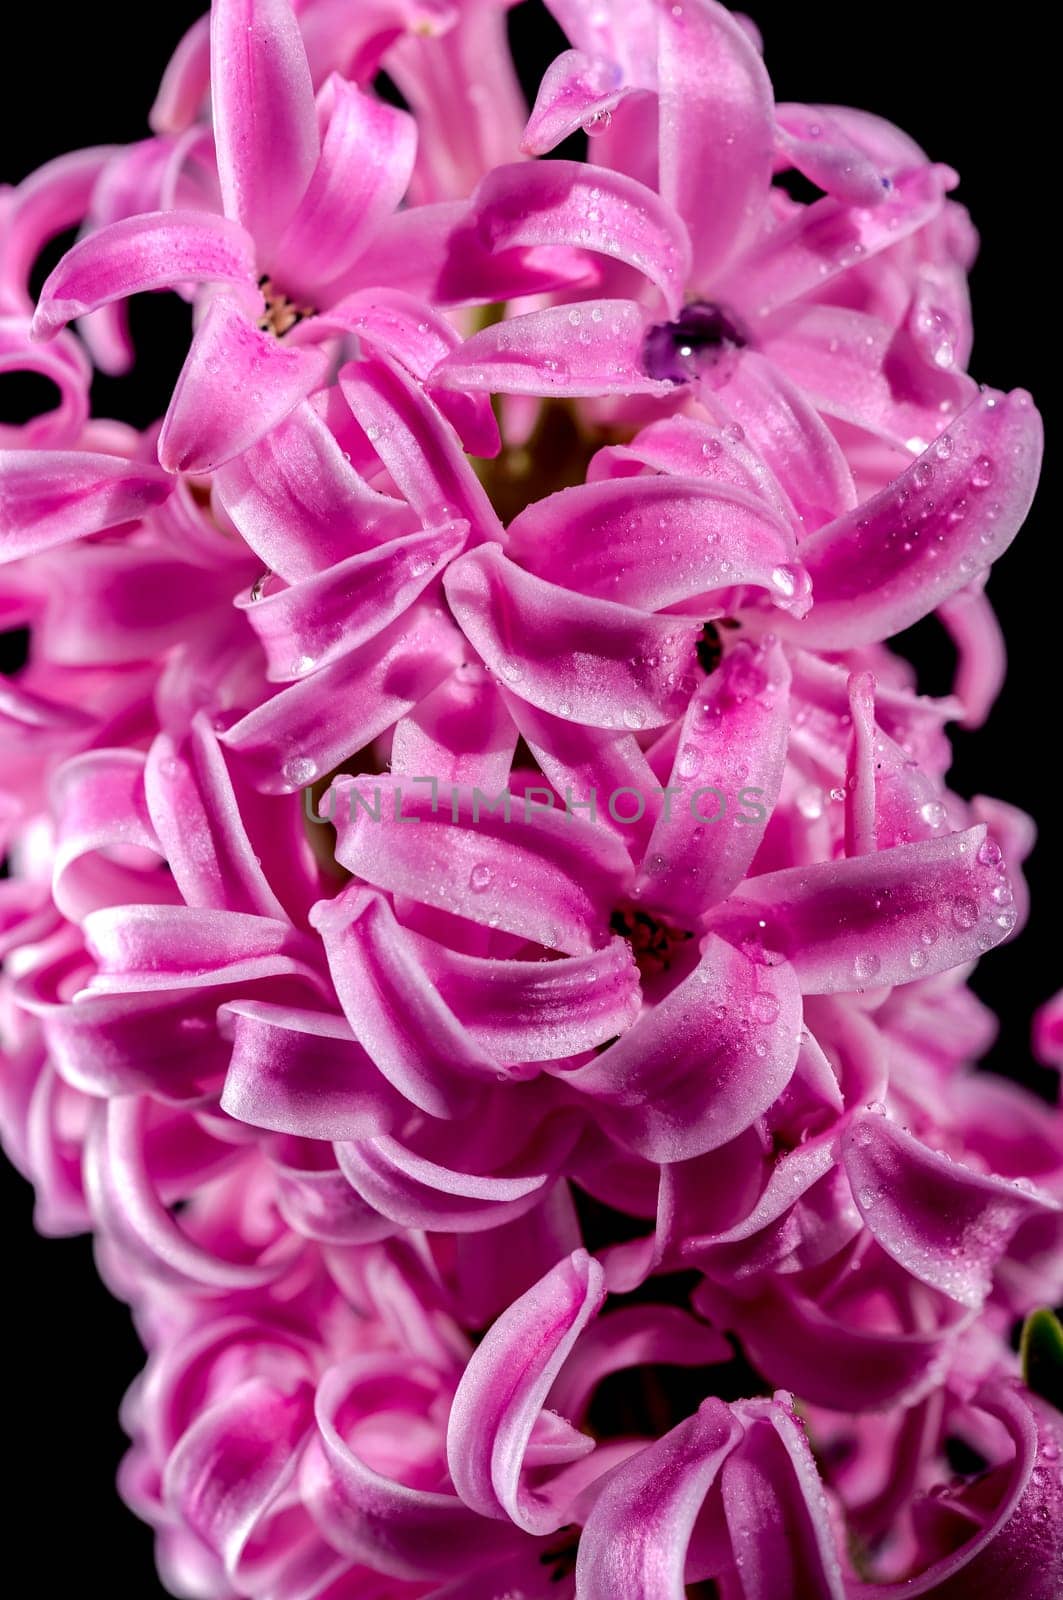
(676, 352)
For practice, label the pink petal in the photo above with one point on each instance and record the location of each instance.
(636, 1538)
(944, 1223)
(587, 349)
(158, 250)
(235, 1460)
(781, 1533)
(719, 537)
(299, 503)
(55, 197)
(524, 1011)
(576, 90)
(735, 730)
(829, 1361)
(460, 733)
(503, 1390)
(196, 813)
(717, 130)
(416, 1192)
(322, 618)
(361, 176)
(265, 121)
(856, 367)
(50, 497)
(236, 384)
(185, 83)
(411, 1533)
(396, 1013)
(303, 1072)
(796, 445)
(100, 813)
(978, 639)
(537, 873)
(309, 727)
(827, 238)
(418, 446)
(881, 567)
(578, 658)
(567, 203)
(393, 323)
(63, 363)
(823, 151)
(871, 920)
(702, 1064)
(1018, 1549)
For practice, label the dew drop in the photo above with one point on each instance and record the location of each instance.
(480, 877)
(764, 1008)
(964, 913)
(300, 770)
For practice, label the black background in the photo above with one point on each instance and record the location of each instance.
(974, 93)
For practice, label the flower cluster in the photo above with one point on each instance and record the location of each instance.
(515, 1197)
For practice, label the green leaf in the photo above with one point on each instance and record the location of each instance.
(1042, 1356)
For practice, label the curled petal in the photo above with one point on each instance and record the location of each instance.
(312, 725)
(322, 618)
(577, 90)
(719, 537)
(196, 814)
(568, 203)
(704, 1063)
(395, 1011)
(795, 443)
(576, 657)
(790, 1547)
(185, 82)
(236, 384)
(945, 1224)
(362, 174)
(157, 250)
(593, 348)
(50, 497)
(737, 729)
(102, 828)
(235, 1460)
(126, 1204)
(303, 1072)
(298, 502)
(418, 446)
(460, 733)
(636, 1538)
(1017, 1549)
(894, 559)
(534, 872)
(408, 1532)
(827, 238)
(63, 363)
(415, 1192)
(540, 1010)
(504, 1387)
(823, 151)
(877, 919)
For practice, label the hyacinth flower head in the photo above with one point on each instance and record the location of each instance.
(488, 929)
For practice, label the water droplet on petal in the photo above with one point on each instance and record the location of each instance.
(964, 912)
(300, 770)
